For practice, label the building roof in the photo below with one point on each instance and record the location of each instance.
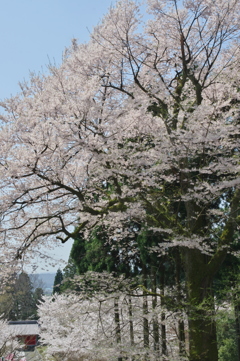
(24, 328)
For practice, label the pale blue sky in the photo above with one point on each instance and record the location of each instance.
(32, 32)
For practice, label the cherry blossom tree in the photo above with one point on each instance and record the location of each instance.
(77, 326)
(8, 341)
(137, 128)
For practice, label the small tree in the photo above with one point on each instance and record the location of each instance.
(23, 306)
(57, 282)
(37, 299)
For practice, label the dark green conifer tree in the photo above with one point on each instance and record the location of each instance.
(57, 282)
(22, 299)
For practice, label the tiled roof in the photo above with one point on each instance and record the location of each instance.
(21, 328)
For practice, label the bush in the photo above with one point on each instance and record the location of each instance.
(226, 333)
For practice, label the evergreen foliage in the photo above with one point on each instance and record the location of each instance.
(226, 331)
(57, 282)
(22, 300)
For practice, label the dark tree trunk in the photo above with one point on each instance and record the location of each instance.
(155, 317)
(181, 337)
(117, 324)
(181, 330)
(130, 313)
(145, 312)
(163, 317)
(202, 327)
(237, 323)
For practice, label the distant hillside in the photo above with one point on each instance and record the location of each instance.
(46, 281)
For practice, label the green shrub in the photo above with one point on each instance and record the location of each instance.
(226, 333)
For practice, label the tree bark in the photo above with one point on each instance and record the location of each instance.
(155, 317)
(181, 330)
(202, 327)
(130, 314)
(237, 323)
(145, 312)
(117, 324)
(163, 317)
